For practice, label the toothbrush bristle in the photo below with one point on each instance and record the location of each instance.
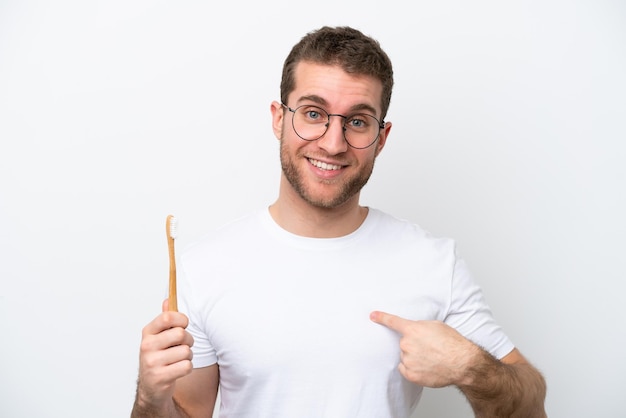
(173, 227)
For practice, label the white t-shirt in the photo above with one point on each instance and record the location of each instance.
(287, 317)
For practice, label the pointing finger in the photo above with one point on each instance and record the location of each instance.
(393, 322)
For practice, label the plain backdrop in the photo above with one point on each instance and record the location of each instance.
(509, 124)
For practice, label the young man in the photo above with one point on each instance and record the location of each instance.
(318, 306)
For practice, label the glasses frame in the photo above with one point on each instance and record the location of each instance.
(381, 124)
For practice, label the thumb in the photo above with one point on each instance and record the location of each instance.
(165, 306)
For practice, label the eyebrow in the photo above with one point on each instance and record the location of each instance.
(322, 102)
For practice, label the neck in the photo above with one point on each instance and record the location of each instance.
(299, 217)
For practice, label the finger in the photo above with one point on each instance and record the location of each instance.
(179, 336)
(182, 368)
(165, 306)
(165, 321)
(173, 337)
(175, 354)
(175, 363)
(403, 370)
(164, 367)
(393, 322)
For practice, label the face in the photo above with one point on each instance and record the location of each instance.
(328, 173)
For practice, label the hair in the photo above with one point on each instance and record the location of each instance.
(346, 47)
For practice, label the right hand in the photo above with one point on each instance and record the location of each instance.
(165, 356)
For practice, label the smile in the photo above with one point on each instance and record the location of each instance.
(324, 166)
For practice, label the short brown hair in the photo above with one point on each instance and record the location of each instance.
(347, 47)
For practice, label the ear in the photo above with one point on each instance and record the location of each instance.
(277, 119)
(382, 139)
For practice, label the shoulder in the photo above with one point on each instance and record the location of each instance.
(387, 226)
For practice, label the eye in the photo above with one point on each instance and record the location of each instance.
(313, 114)
(359, 122)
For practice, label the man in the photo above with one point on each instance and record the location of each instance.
(286, 310)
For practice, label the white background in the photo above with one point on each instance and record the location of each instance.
(509, 129)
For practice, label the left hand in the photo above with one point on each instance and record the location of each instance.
(433, 354)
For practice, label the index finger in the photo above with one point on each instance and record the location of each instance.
(166, 320)
(393, 322)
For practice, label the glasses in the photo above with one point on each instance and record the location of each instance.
(311, 123)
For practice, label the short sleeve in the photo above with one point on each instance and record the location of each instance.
(203, 351)
(470, 315)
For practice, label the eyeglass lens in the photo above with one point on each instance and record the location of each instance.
(311, 122)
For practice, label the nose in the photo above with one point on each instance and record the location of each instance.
(334, 140)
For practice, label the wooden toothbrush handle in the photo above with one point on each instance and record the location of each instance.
(172, 297)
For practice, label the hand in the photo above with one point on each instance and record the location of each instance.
(164, 357)
(433, 354)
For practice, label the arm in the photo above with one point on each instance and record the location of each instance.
(168, 386)
(197, 393)
(435, 355)
(511, 387)
(194, 397)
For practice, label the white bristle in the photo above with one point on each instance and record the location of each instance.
(173, 227)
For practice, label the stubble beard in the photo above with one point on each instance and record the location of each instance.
(348, 188)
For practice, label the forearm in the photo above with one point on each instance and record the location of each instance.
(496, 389)
(170, 409)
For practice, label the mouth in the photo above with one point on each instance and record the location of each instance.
(324, 166)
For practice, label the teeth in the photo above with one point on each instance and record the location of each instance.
(324, 166)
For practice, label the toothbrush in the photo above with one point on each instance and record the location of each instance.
(170, 227)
